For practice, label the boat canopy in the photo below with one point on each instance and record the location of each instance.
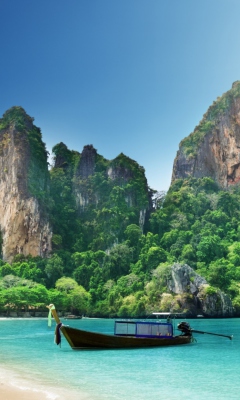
(143, 329)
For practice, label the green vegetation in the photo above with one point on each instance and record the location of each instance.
(111, 200)
(15, 116)
(29, 139)
(105, 261)
(197, 224)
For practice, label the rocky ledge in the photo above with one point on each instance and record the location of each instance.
(194, 295)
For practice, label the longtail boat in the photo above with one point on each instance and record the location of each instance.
(127, 334)
(70, 316)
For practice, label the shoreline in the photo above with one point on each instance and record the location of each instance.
(15, 386)
(10, 392)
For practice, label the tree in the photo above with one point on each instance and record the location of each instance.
(119, 261)
(10, 280)
(169, 238)
(234, 254)
(7, 269)
(188, 255)
(59, 299)
(83, 274)
(228, 203)
(128, 284)
(39, 296)
(210, 248)
(133, 233)
(54, 269)
(79, 300)
(161, 276)
(66, 284)
(219, 274)
(153, 257)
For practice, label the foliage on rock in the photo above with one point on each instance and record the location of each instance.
(222, 105)
(38, 176)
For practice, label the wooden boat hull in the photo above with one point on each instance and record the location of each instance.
(80, 339)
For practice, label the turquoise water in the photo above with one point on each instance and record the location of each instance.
(207, 369)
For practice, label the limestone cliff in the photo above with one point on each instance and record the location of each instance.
(84, 171)
(123, 171)
(99, 183)
(23, 185)
(213, 149)
(87, 162)
(195, 295)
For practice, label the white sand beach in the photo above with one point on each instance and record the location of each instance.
(9, 392)
(16, 387)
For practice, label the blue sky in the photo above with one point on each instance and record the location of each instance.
(130, 76)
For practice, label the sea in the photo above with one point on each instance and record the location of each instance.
(208, 368)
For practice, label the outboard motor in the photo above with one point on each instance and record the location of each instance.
(185, 328)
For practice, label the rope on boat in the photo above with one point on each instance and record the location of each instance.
(58, 339)
(50, 307)
(52, 312)
(50, 318)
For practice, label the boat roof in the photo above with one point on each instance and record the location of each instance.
(166, 313)
(161, 313)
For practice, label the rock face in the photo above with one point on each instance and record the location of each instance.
(85, 170)
(87, 162)
(213, 149)
(216, 304)
(185, 279)
(108, 193)
(120, 172)
(195, 295)
(24, 227)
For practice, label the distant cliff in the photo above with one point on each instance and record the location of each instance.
(213, 149)
(24, 183)
(108, 195)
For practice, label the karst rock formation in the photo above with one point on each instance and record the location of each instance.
(213, 148)
(24, 222)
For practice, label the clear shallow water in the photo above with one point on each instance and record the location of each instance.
(207, 369)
